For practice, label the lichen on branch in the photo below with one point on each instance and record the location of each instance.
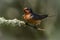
(13, 22)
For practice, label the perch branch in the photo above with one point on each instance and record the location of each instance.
(13, 22)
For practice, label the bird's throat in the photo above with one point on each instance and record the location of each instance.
(27, 13)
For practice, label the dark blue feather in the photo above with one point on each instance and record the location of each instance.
(38, 17)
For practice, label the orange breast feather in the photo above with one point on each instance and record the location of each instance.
(31, 20)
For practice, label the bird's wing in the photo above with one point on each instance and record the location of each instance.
(38, 17)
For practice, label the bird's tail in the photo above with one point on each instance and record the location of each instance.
(44, 16)
(49, 16)
(52, 16)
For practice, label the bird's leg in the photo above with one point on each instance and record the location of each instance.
(26, 23)
(33, 26)
(38, 27)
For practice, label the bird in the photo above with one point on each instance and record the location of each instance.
(32, 17)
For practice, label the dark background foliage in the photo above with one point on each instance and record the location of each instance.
(11, 9)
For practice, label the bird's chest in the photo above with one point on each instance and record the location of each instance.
(27, 16)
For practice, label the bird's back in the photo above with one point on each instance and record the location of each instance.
(38, 17)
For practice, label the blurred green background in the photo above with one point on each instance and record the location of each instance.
(11, 9)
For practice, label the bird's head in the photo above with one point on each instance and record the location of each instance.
(27, 10)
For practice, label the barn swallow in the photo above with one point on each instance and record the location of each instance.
(32, 17)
